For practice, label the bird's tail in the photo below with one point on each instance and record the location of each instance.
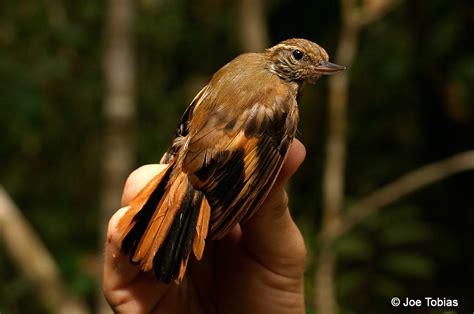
(165, 221)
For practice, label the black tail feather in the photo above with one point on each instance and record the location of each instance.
(142, 218)
(178, 243)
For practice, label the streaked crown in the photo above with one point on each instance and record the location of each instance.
(300, 60)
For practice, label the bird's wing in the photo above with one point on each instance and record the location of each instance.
(183, 127)
(235, 159)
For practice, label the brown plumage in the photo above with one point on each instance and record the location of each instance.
(224, 158)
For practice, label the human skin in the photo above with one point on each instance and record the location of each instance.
(257, 268)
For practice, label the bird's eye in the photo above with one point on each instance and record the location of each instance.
(297, 54)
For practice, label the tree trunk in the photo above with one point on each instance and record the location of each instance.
(119, 109)
(353, 18)
(33, 259)
(252, 25)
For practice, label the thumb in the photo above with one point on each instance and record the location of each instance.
(271, 234)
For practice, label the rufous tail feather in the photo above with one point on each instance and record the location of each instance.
(167, 219)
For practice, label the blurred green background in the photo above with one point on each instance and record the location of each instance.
(411, 102)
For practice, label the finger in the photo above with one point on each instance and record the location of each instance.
(121, 277)
(117, 269)
(271, 234)
(137, 180)
(126, 288)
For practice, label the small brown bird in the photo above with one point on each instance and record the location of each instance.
(224, 159)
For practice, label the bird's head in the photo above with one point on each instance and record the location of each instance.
(300, 60)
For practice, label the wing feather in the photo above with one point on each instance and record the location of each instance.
(201, 229)
(235, 160)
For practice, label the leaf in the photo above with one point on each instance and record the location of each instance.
(409, 265)
(411, 232)
(349, 281)
(354, 247)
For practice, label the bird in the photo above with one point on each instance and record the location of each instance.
(224, 157)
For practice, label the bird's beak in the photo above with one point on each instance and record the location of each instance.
(328, 68)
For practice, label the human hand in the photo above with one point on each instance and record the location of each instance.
(256, 268)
